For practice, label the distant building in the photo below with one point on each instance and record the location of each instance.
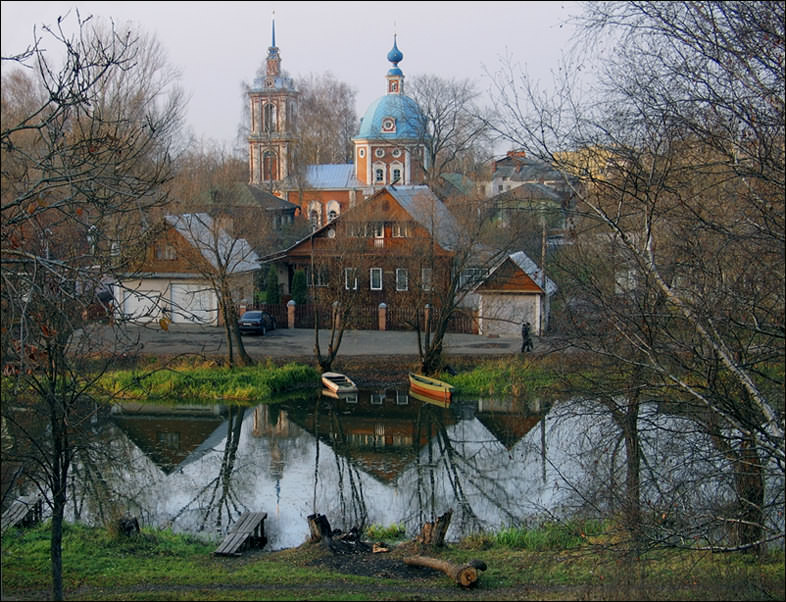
(388, 147)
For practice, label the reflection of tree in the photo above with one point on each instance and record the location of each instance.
(219, 489)
(465, 472)
(352, 503)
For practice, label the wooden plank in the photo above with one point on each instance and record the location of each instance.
(20, 510)
(249, 525)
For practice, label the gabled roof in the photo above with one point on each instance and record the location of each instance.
(532, 270)
(422, 205)
(199, 231)
(332, 177)
(269, 201)
(526, 265)
(427, 210)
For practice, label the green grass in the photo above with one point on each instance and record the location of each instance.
(505, 378)
(550, 536)
(391, 533)
(522, 564)
(208, 383)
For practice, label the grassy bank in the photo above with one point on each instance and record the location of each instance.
(207, 382)
(551, 563)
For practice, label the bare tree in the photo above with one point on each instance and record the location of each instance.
(681, 152)
(222, 260)
(86, 148)
(456, 139)
(326, 120)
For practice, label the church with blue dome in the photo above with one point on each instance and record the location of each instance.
(388, 146)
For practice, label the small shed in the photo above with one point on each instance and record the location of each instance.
(516, 291)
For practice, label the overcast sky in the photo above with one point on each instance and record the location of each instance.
(219, 45)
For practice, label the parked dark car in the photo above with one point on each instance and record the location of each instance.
(256, 322)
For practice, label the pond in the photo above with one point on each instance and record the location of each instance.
(383, 457)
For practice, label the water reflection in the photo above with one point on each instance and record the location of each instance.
(383, 457)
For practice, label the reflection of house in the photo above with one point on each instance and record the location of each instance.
(516, 291)
(507, 420)
(173, 275)
(381, 433)
(169, 434)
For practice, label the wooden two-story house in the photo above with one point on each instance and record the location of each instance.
(394, 248)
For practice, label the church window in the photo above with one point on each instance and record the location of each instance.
(396, 152)
(380, 152)
(361, 152)
(388, 124)
(269, 167)
(379, 175)
(397, 175)
(270, 124)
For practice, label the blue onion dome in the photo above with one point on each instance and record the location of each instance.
(395, 56)
(405, 111)
(394, 116)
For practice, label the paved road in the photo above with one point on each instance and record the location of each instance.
(187, 338)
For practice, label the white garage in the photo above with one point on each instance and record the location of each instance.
(193, 304)
(139, 305)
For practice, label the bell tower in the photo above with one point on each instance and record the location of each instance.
(273, 107)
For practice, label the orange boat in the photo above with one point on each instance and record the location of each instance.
(430, 390)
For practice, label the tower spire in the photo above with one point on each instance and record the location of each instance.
(274, 29)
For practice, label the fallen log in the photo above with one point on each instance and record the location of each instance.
(465, 575)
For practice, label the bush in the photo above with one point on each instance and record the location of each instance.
(299, 288)
(272, 295)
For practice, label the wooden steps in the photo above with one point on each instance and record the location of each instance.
(24, 512)
(247, 532)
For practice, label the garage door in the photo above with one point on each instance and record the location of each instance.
(194, 303)
(140, 306)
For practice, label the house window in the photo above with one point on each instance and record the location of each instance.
(166, 252)
(351, 279)
(400, 230)
(377, 397)
(168, 440)
(375, 278)
(317, 277)
(402, 279)
(379, 229)
(426, 279)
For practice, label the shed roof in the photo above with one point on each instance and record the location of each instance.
(214, 243)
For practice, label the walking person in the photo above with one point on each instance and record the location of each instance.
(526, 339)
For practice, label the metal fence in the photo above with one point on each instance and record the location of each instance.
(366, 317)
